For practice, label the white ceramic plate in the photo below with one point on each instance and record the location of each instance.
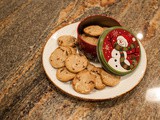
(127, 83)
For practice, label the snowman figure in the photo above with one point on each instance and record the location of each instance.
(118, 59)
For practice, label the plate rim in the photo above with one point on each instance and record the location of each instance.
(82, 98)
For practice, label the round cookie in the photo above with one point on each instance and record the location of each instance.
(83, 82)
(90, 66)
(64, 75)
(66, 40)
(93, 30)
(58, 56)
(109, 79)
(98, 80)
(89, 39)
(76, 63)
(73, 50)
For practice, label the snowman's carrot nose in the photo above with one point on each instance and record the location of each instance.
(121, 41)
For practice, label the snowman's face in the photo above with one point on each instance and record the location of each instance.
(122, 41)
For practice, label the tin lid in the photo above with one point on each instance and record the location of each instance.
(118, 50)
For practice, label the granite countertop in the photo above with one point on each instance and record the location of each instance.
(25, 90)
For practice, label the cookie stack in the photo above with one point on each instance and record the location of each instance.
(91, 34)
(75, 68)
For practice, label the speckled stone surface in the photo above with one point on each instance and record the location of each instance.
(26, 92)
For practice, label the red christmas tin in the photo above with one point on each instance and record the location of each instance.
(118, 50)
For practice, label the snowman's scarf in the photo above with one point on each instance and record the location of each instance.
(122, 58)
(120, 48)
